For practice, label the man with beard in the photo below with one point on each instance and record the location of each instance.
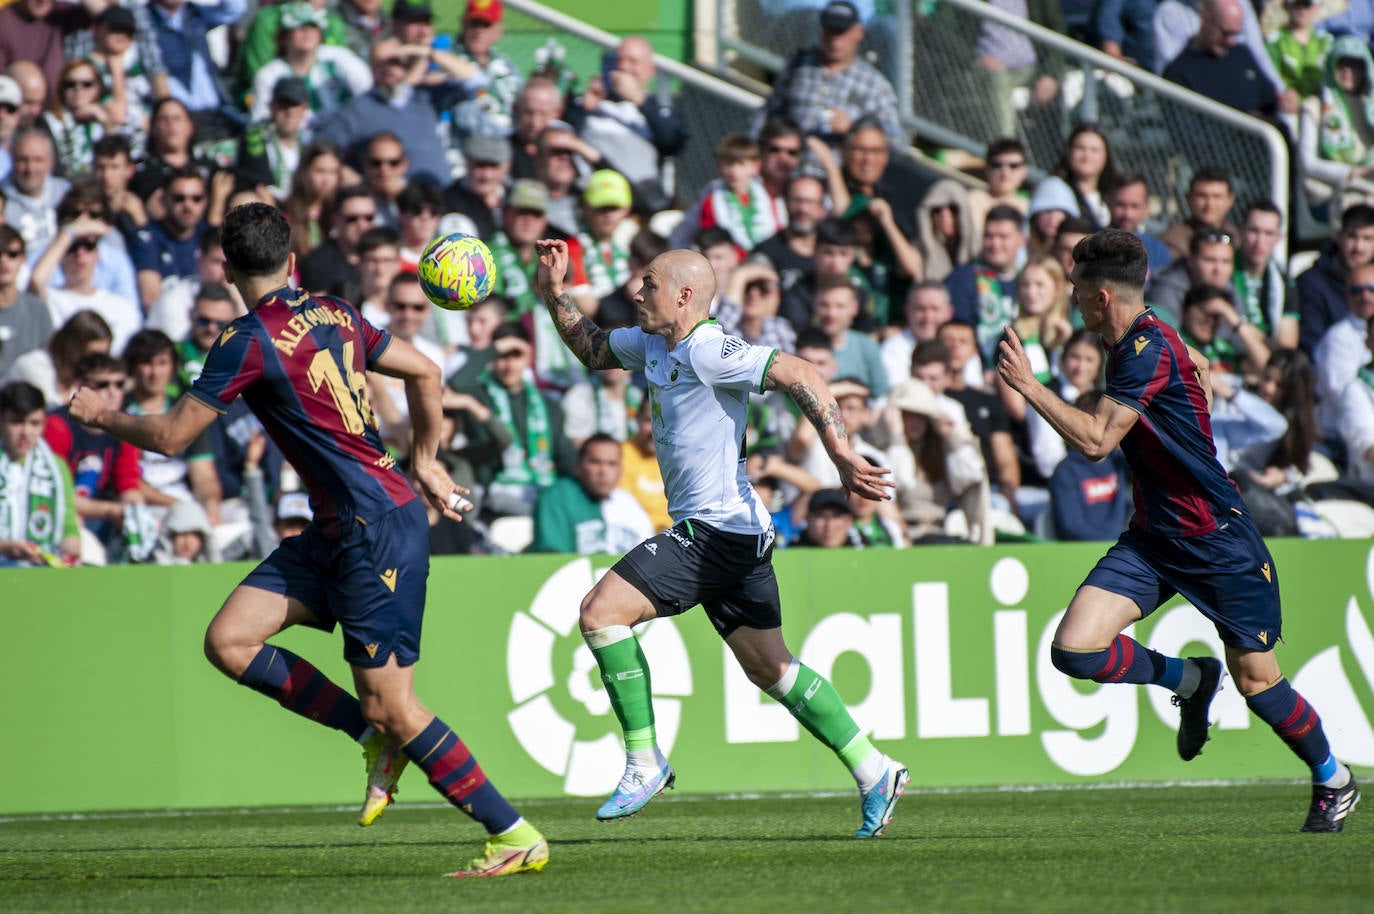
(793, 250)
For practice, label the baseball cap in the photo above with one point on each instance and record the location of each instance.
(186, 517)
(406, 11)
(488, 11)
(839, 16)
(294, 506)
(528, 193)
(10, 93)
(298, 14)
(118, 19)
(607, 188)
(486, 147)
(510, 337)
(914, 396)
(291, 90)
(829, 498)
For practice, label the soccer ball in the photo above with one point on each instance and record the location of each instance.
(456, 271)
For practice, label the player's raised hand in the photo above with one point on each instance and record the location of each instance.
(858, 475)
(1012, 363)
(553, 266)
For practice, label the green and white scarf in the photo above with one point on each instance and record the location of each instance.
(1345, 117)
(995, 310)
(75, 141)
(531, 464)
(554, 364)
(1262, 298)
(32, 498)
(608, 265)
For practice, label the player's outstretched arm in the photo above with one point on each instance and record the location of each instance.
(1094, 435)
(587, 341)
(424, 400)
(167, 433)
(809, 391)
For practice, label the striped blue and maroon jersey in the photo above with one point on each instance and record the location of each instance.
(1179, 487)
(299, 361)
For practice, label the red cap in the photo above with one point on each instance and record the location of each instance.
(488, 11)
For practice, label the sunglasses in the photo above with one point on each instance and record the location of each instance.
(187, 198)
(13, 253)
(359, 217)
(386, 163)
(392, 62)
(105, 385)
(82, 244)
(409, 306)
(8, 108)
(80, 84)
(784, 150)
(1357, 290)
(1006, 164)
(203, 321)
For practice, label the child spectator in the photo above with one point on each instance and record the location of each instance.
(37, 503)
(737, 201)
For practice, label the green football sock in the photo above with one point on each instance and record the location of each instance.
(625, 673)
(813, 701)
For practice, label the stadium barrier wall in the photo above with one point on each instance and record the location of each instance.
(941, 652)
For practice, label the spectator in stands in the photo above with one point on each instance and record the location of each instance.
(619, 309)
(1125, 29)
(1357, 416)
(170, 147)
(1089, 500)
(750, 308)
(385, 165)
(1322, 287)
(965, 362)
(489, 111)
(1079, 371)
(262, 42)
(737, 201)
(75, 249)
(1052, 205)
(932, 363)
(213, 309)
(1006, 168)
(538, 105)
(1245, 427)
(332, 267)
(113, 172)
(640, 473)
(633, 124)
(1288, 385)
(1217, 65)
(32, 191)
(1339, 149)
(33, 90)
(856, 354)
(814, 345)
(983, 291)
(865, 156)
(590, 512)
(560, 161)
(379, 260)
(1129, 206)
(186, 536)
(1041, 323)
(172, 314)
(79, 116)
(525, 220)
(828, 87)
(25, 321)
(1071, 231)
(605, 206)
(1178, 22)
(167, 247)
(829, 522)
(37, 504)
(479, 193)
(192, 78)
(52, 369)
(332, 74)
(1298, 51)
(1006, 59)
(926, 308)
(782, 147)
(10, 100)
(1343, 350)
(114, 271)
(792, 251)
(403, 107)
(129, 64)
(538, 451)
(151, 362)
(805, 450)
(1210, 198)
(935, 462)
(364, 22)
(606, 403)
(1210, 261)
(32, 30)
(945, 229)
(1264, 293)
(270, 150)
(880, 258)
(406, 310)
(418, 210)
(721, 252)
(1086, 170)
(1207, 309)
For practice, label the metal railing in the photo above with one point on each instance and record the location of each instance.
(1154, 126)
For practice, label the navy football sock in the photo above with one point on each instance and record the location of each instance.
(297, 686)
(454, 772)
(1295, 721)
(1124, 660)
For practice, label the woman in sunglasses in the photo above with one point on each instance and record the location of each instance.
(79, 116)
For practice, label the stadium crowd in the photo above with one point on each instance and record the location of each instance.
(126, 133)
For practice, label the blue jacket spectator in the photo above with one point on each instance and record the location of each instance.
(192, 76)
(1125, 28)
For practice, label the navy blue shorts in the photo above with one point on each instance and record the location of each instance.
(1227, 574)
(371, 582)
(729, 574)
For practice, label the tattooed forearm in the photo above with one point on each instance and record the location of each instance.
(822, 416)
(586, 340)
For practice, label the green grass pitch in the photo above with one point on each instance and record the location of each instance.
(1193, 849)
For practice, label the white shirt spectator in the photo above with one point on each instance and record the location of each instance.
(124, 316)
(1343, 350)
(1357, 425)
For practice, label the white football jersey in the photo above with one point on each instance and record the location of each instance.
(699, 396)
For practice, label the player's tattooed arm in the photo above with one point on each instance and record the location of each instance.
(823, 414)
(587, 341)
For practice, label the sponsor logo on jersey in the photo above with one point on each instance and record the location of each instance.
(389, 579)
(677, 537)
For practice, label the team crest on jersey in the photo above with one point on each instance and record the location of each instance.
(672, 376)
(730, 345)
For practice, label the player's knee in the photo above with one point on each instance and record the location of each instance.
(225, 653)
(596, 613)
(1078, 664)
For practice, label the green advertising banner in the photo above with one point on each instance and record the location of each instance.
(942, 653)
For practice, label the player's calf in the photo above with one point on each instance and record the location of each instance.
(1124, 660)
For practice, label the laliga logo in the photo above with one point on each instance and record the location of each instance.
(1324, 682)
(547, 633)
